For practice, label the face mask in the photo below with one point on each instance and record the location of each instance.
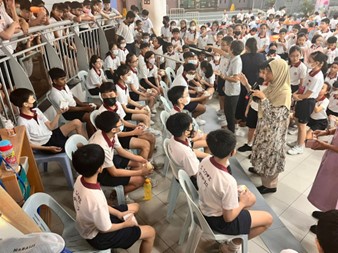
(123, 45)
(187, 100)
(237, 33)
(152, 61)
(109, 101)
(121, 128)
(144, 18)
(272, 51)
(192, 28)
(217, 58)
(145, 40)
(115, 52)
(193, 62)
(190, 76)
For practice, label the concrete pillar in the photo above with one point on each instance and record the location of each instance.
(157, 9)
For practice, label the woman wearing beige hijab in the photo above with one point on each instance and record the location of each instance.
(269, 147)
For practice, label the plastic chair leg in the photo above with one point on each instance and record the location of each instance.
(194, 237)
(165, 167)
(185, 229)
(172, 197)
(245, 245)
(121, 200)
(67, 170)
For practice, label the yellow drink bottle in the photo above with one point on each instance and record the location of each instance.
(147, 189)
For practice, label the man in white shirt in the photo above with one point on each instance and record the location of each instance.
(147, 25)
(126, 31)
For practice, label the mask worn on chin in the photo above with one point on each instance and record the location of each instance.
(237, 33)
(109, 101)
(190, 77)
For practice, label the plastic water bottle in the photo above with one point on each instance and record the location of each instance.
(147, 189)
(7, 152)
(10, 128)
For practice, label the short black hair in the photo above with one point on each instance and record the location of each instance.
(130, 14)
(144, 45)
(175, 30)
(188, 55)
(175, 93)
(56, 73)
(332, 39)
(106, 121)
(283, 30)
(178, 123)
(221, 142)
(325, 20)
(88, 159)
(188, 67)
(297, 26)
(237, 47)
(145, 12)
(228, 39)
(20, 96)
(327, 231)
(335, 85)
(107, 87)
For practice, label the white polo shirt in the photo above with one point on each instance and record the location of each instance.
(331, 54)
(202, 42)
(135, 81)
(6, 21)
(64, 95)
(183, 156)
(179, 81)
(108, 146)
(118, 109)
(166, 33)
(217, 188)
(111, 63)
(122, 94)
(331, 80)
(262, 41)
(94, 78)
(191, 35)
(171, 63)
(177, 43)
(234, 68)
(314, 83)
(322, 114)
(297, 72)
(123, 54)
(147, 25)
(92, 213)
(146, 72)
(37, 131)
(126, 32)
(333, 102)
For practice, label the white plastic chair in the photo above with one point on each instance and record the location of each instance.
(170, 75)
(56, 107)
(167, 106)
(72, 145)
(82, 75)
(174, 186)
(165, 89)
(164, 116)
(93, 116)
(74, 242)
(198, 223)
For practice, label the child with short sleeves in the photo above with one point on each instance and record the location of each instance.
(172, 58)
(103, 226)
(331, 50)
(298, 69)
(43, 135)
(222, 204)
(123, 51)
(318, 118)
(95, 75)
(332, 74)
(112, 61)
(306, 97)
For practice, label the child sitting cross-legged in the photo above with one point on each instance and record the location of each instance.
(43, 134)
(222, 203)
(103, 226)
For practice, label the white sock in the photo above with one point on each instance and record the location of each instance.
(250, 144)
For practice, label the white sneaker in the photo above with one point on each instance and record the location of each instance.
(296, 150)
(220, 112)
(223, 123)
(292, 144)
(292, 131)
(200, 122)
(152, 122)
(222, 117)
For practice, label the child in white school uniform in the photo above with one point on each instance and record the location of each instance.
(104, 226)
(112, 61)
(297, 70)
(223, 205)
(332, 108)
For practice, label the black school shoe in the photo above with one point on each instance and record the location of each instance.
(313, 229)
(252, 170)
(317, 214)
(244, 148)
(264, 190)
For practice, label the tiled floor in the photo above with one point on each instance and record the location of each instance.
(289, 202)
